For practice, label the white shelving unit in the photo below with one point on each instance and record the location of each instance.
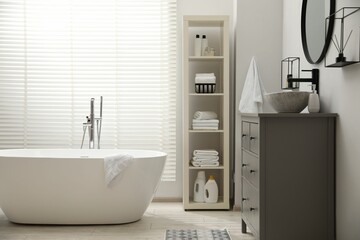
(216, 28)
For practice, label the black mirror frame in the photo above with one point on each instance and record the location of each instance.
(328, 36)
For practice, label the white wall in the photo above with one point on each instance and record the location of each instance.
(191, 7)
(259, 34)
(339, 93)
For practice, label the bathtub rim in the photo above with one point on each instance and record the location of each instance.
(78, 153)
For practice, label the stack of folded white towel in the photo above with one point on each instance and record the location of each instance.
(205, 78)
(205, 120)
(205, 158)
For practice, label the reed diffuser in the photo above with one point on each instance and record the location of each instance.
(341, 40)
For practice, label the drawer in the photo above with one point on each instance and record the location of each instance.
(250, 206)
(245, 134)
(250, 168)
(254, 138)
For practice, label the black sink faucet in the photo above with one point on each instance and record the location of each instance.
(314, 79)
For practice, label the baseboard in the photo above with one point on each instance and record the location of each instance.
(167, 199)
(236, 208)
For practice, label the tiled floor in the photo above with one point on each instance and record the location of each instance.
(158, 218)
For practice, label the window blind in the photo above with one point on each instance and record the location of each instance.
(57, 54)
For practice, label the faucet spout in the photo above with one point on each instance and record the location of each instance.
(314, 79)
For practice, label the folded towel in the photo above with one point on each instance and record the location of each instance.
(204, 74)
(195, 164)
(115, 166)
(205, 79)
(203, 158)
(205, 162)
(205, 128)
(210, 152)
(201, 121)
(206, 124)
(205, 115)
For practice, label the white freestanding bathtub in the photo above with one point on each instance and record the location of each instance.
(67, 186)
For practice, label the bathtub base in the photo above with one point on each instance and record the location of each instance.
(78, 218)
(61, 187)
(73, 224)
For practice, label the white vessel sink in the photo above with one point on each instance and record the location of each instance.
(288, 102)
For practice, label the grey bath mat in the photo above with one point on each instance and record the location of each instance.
(193, 234)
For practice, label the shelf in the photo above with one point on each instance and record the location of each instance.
(343, 53)
(216, 29)
(206, 168)
(205, 131)
(194, 58)
(341, 64)
(219, 205)
(204, 20)
(206, 94)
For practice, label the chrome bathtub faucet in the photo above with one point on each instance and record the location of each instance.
(90, 125)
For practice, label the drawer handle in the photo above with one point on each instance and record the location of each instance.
(252, 209)
(244, 199)
(252, 171)
(243, 135)
(252, 138)
(244, 165)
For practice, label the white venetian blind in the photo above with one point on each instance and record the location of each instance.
(57, 54)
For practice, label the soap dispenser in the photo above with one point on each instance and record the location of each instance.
(197, 46)
(204, 44)
(314, 101)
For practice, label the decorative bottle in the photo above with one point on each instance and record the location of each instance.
(211, 190)
(314, 101)
(197, 46)
(199, 187)
(204, 44)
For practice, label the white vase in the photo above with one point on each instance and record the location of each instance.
(199, 187)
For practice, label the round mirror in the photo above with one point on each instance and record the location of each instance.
(314, 36)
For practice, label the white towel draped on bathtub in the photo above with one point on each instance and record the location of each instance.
(115, 166)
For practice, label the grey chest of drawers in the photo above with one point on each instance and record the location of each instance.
(288, 176)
